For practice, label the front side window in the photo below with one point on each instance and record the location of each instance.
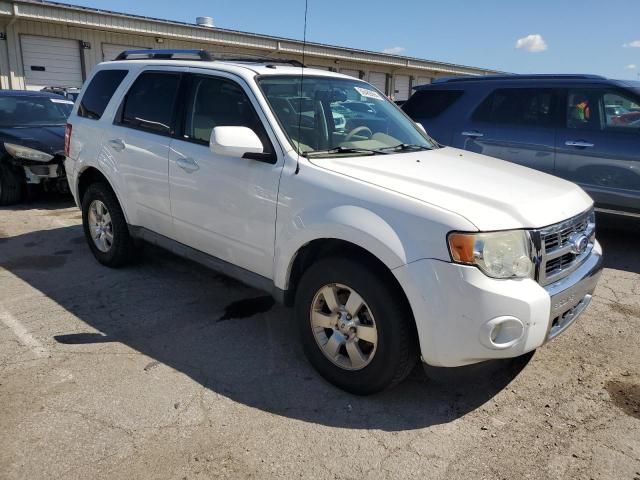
(149, 104)
(99, 93)
(622, 111)
(28, 111)
(518, 106)
(336, 116)
(583, 109)
(217, 102)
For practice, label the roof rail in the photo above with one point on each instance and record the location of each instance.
(166, 54)
(258, 59)
(541, 76)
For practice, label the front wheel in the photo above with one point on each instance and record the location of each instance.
(355, 325)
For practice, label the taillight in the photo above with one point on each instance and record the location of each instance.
(67, 139)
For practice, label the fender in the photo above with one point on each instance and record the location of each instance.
(83, 168)
(350, 223)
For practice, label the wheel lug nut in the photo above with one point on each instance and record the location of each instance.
(348, 317)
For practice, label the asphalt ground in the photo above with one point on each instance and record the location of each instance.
(167, 370)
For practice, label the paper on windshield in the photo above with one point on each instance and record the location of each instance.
(365, 92)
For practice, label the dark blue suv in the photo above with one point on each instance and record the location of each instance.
(583, 128)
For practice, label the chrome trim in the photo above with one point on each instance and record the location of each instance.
(571, 295)
(562, 246)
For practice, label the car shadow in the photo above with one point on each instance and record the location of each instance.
(619, 237)
(228, 337)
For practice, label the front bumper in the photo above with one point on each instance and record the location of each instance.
(465, 317)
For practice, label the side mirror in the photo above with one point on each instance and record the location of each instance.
(234, 141)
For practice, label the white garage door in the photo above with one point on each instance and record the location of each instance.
(319, 67)
(51, 62)
(378, 80)
(401, 85)
(111, 51)
(351, 73)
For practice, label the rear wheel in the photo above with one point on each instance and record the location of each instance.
(105, 227)
(356, 328)
(11, 185)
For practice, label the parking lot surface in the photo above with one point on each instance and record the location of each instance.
(167, 370)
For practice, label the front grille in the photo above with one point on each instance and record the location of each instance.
(557, 256)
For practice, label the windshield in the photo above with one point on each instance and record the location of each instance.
(339, 116)
(27, 111)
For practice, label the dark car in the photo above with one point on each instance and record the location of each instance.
(32, 128)
(70, 93)
(566, 125)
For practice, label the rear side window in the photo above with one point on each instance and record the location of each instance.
(99, 93)
(149, 104)
(430, 103)
(518, 106)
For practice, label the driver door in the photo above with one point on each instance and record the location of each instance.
(221, 205)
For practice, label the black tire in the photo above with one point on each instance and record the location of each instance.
(122, 249)
(11, 185)
(396, 350)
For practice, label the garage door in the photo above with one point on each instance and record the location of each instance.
(110, 51)
(319, 67)
(351, 73)
(378, 80)
(401, 85)
(50, 62)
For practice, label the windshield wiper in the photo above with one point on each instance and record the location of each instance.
(330, 151)
(406, 146)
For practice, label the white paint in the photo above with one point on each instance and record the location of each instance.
(23, 334)
(350, 72)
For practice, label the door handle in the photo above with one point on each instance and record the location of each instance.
(187, 164)
(117, 144)
(578, 143)
(473, 134)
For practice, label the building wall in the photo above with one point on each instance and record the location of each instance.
(95, 28)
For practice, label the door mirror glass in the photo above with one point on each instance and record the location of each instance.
(234, 141)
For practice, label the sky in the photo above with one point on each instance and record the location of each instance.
(534, 36)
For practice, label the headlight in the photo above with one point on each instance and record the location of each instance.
(19, 151)
(498, 254)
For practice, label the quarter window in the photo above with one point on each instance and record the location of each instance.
(518, 106)
(430, 103)
(217, 102)
(99, 93)
(149, 104)
(621, 111)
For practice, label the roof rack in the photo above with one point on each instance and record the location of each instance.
(166, 54)
(519, 77)
(265, 60)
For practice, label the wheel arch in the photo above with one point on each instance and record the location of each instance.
(91, 175)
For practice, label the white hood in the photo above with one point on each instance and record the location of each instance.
(490, 193)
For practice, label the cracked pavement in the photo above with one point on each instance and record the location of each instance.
(130, 374)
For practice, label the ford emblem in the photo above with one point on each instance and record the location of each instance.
(579, 243)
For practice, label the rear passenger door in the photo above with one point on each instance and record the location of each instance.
(138, 145)
(599, 146)
(221, 205)
(514, 124)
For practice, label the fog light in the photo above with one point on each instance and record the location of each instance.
(501, 332)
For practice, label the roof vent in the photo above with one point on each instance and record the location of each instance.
(205, 22)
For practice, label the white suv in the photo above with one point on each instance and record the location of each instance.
(389, 246)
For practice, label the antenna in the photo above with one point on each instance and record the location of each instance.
(304, 48)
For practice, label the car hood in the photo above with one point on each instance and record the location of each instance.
(46, 139)
(490, 193)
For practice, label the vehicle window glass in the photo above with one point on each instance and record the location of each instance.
(27, 110)
(99, 93)
(330, 113)
(149, 105)
(517, 106)
(217, 102)
(583, 109)
(622, 112)
(430, 103)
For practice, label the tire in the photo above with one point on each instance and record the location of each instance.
(114, 250)
(11, 185)
(379, 365)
